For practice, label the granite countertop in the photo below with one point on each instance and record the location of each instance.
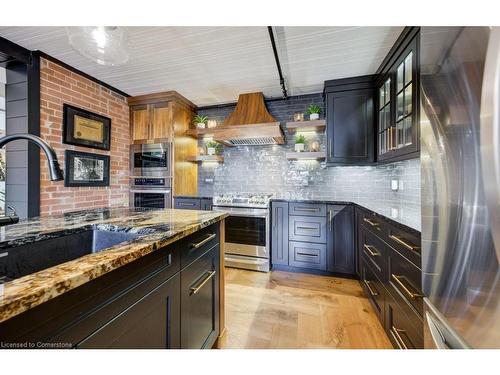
(156, 229)
(399, 212)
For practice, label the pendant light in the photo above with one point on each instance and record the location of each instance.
(106, 45)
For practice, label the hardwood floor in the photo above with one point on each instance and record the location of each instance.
(297, 310)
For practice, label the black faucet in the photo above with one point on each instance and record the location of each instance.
(54, 169)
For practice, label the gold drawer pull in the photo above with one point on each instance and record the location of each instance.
(196, 289)
(371, 250)
(405, 244)
(369, 286)
(203, 242)
(409, 293)
(396, 334)
(372, 223)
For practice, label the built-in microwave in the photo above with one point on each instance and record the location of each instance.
(151, 160)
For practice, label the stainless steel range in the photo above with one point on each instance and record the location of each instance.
(247, 230)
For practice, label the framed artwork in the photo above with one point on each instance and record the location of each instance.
(84, 128)
(85, 169)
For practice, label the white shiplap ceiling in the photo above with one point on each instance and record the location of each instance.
(211, 65)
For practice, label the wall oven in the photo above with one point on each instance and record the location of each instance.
(151, 160)
(150, 192)
(247, 238)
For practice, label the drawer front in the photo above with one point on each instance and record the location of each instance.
(307, 209)
(195, 245)
(374, 252)
(374, 289)
(403, 325)
(405, 242)
(187, 203)
(405, 277)
(307, 255)
(307, 229)
(370, 222)
(200, 302)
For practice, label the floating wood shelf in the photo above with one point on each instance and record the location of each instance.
(200, 133)
(198, 158)
(306, 155)
(315, 125)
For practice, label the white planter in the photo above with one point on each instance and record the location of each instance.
(200, 125)
(299, 147)
(314, 116)
(211, 150)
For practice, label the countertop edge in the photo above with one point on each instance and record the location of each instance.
(131, 251)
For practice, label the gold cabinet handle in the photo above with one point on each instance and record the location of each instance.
(196, 289)
(371, 250)
(203, 242)
(405, 244)
(408, 292)
(369, 286)
(372, 223)
(396, 334)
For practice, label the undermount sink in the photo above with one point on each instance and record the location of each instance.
(33, 257)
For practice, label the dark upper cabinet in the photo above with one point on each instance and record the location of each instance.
(341, 254)
(153, 322)
(279, 233)
(397, 102)
(350, 121)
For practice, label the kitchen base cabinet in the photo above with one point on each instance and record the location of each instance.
(279, 233)
(153, 322)
(341, 254)
(200, 302)
(194, 203)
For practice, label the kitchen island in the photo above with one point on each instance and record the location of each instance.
(129, 276)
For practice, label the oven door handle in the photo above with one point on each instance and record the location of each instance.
(150, 191)
(241, 213)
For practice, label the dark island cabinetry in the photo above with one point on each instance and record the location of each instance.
(166, 299)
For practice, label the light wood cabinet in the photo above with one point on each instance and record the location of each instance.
(166, 117)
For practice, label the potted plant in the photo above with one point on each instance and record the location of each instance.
(200, 121)
(211, 147)
(313, 111)
(300, 141)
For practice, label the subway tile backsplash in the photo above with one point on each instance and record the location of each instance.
(265, 169)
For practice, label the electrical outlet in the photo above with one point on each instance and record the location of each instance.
(394, 185)
(209, 180)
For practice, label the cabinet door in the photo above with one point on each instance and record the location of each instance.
(341, 254)
(153, 322)
(206, 204)
(279, 233)
(161, 121)
(140, 117)
(187, 203)
(397, 107)
(200, 302)
(350, 126)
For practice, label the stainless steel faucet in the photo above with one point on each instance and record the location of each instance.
(54, 169)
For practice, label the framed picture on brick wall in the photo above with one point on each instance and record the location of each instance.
(86, 169)
(84, 128)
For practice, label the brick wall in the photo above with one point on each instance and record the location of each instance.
(265, 169)
(58, 86)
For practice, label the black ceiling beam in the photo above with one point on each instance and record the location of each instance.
(14, 51)
(278, 65)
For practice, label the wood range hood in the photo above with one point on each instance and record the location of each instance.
(250, 124)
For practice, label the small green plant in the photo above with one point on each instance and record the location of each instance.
(198, 119)
(313, 108)
(300, 139)
(212, 144)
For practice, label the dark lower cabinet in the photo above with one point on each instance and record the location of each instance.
(200, 302)
(194, 203)
(279, 233)
(341, 254)
(153, 322)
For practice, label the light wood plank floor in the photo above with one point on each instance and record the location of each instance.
(297, 310)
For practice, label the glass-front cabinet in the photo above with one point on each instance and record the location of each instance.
(398, 135)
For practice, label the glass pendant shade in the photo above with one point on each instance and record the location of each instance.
(106, 45)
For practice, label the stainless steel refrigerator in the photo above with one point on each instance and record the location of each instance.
(460, 159)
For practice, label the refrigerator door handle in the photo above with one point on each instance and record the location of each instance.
(490, 134)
